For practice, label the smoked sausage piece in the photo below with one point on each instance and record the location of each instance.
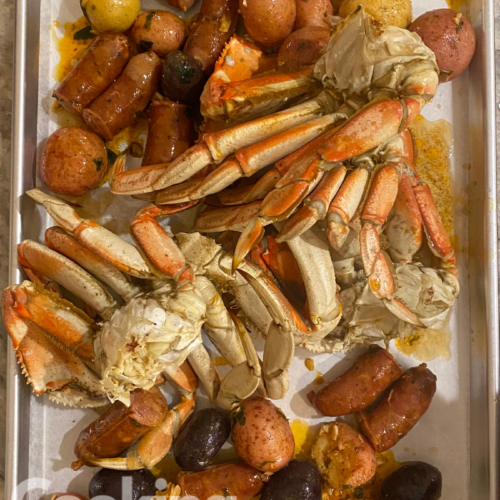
(237, 480)
(126, 98)
(214, 26)
(400, 409)
(171, 132)
(101, 64)
(120, 426)
(360, 385)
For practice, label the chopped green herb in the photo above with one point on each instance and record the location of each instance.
(137, 424)
(281, 414)
(112, 156)
(149, 18)
(346, 487)
(238, 416)
(145, 45)
(460, 25)
(84, 34)
(225, 492)
(359, 493)
(185, 74)
(445, 72)
(98, 163)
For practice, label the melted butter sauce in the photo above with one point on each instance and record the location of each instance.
(432, 145)
(70, 50)
(426, 345)
(304, 436)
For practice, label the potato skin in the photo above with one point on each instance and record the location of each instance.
(268, 22)
(313, 13)
(159, 31)
(393, 13)
(73, 161)
(450, 36)
(360, 385)
(302, 48)
(262, 435)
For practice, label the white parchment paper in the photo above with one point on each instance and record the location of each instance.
(442, 435)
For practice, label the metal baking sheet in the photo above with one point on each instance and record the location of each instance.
(459, 434)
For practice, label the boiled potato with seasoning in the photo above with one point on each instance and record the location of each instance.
(262, 435)
(73, 161)
(450, 36)
(268, 22)
(344, 456)
(391, 13)
(111, 15)
(159, 31)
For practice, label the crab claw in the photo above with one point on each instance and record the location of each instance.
(49, 366)
(156, 443)
(244, 379)
(251, 235)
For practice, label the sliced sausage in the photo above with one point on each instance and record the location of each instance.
(214, 26)
(126, 98)
(400, 409)
(120, 426)
(237, 480)
(171, 132)
(103, 61)
(360, 385)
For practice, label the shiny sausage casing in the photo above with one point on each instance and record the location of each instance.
(103, 61)
(237, 480)
(171, 132)
(400, 409)
(126, 98)
(214, 26)
(120, 426)
(360, 385)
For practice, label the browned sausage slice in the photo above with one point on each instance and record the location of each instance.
(400, 409)
(171, 132)
(103, 61)
(214, 26)
(126, 98)
(361, 385)
(120, 426)
(237, 480)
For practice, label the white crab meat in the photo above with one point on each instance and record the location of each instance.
(149, 333)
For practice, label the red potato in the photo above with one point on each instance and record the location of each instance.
(303, 48)
(262, 435)
(237, 480)
(214, 26)
(385, 423)
(126, 98)
(73, 161)
(103, 61)
(359, 386)
(313, 13)
(171, 132)
(450, 36)
(159, 31)
(343, 456)
(268, 22)
(120, 426)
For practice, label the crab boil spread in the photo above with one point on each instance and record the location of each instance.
(279, 131)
